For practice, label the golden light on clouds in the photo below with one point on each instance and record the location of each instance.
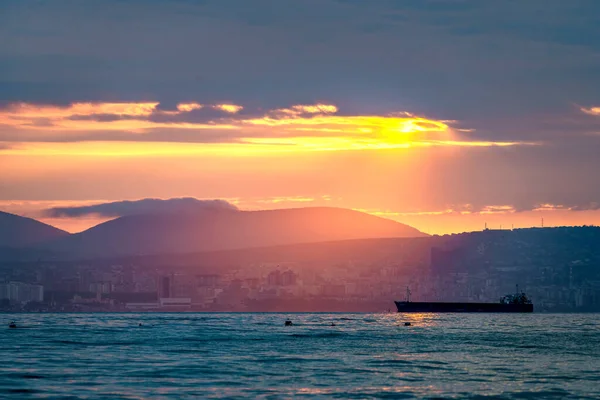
(141, 149)
(591, 110)
(549, 207)
(130, 129)
(230, 108)
(300, 109)
(187, 107)
(23, 112)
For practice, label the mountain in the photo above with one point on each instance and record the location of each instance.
(16, 231)
(222, 229)
(412, 250)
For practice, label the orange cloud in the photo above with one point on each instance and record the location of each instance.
(494, 209)
(300, 109)
(317, 127)
(230, 108)
(128, 117)
(24, 111)
(187, 107)
(465, 209)
(549, 207)
(292, 199)
(138, 149)
(591, 110)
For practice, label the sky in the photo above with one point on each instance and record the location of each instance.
(442, 114)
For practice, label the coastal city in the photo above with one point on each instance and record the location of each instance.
(476, 267)
(267, 199)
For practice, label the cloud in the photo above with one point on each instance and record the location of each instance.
(591, 110)
(319, 126)
(594, 205)
(103, 116)
(144, 206)
(300, 110)
(589, 206)
(229, 108)
(519, 208)
(187, 107)
(437, 57)
(470, 209)
(24, 111)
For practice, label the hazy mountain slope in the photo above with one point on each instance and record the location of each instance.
(16, 231)
(226, 229)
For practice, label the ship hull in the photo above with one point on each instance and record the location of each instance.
(428, 307)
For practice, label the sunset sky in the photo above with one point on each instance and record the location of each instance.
(441, 114)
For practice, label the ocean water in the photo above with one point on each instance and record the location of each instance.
(237, 355)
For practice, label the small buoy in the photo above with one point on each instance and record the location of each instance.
(140, 324)
(407, 324)
(288, 323)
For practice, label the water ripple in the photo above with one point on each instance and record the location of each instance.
(94, 356)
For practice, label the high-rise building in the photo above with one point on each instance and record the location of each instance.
(36, 293)
(288, 278)
(209, 280)
(21, 292)
(4, 291)
(165, 284)
(274, 278)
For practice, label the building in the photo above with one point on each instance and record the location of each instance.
(210, 280)
(142, 306)
(165, 286)
(274, 278)
(4, 291)
(288, 278)
(20, 292)
(101, 287)
(175, 303)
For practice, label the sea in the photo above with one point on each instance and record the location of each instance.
(322, 355)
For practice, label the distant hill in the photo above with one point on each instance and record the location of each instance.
(24, 254)
(16, 231)
(529, 245)
(210, 230)
(411, 250)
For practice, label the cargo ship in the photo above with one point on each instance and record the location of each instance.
(515, 303)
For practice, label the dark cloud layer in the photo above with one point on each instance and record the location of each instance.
(453, 59)
(144, 206)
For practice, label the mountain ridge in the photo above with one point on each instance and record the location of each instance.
(17, 231)
(223, 229)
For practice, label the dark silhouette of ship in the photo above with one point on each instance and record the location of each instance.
(514, 303)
